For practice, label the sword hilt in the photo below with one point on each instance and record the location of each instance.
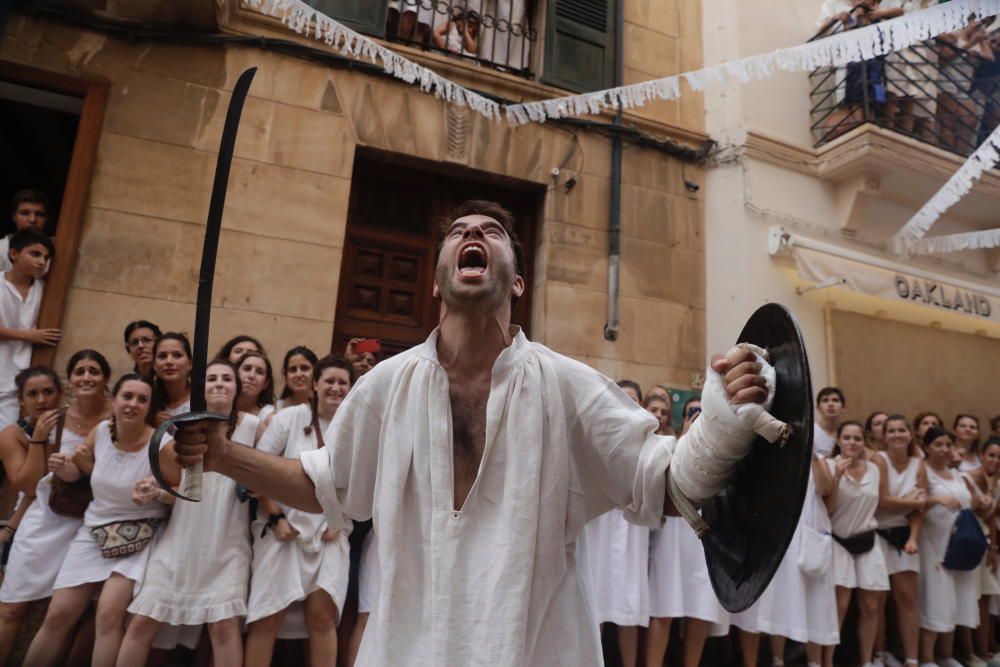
(192, 477)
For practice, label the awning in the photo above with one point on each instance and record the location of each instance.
(822, 267)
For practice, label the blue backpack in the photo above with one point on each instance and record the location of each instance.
(967, 544)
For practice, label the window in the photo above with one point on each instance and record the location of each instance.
(580, 44)
(365, 16)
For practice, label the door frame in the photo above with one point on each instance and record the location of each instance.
(73, 208)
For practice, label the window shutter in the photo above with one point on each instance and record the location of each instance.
(580, 44)
(365, 16)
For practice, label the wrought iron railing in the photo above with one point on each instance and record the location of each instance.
(495, 33)
(934, 91)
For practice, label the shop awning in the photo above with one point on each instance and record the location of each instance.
(824, 263)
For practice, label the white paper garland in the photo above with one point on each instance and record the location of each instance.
(987, 238)
(307, 21)
(833, 51)
(905, 240)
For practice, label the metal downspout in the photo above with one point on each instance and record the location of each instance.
(614, 223)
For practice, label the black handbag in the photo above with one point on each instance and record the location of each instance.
(858, 544)
(897, 536)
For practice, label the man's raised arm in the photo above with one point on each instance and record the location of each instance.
(279, 478)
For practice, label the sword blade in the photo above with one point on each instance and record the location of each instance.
(210, 248)
(191, 481)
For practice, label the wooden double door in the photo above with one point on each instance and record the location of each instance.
(393, 226)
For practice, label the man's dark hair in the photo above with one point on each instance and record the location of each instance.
(29, 196)
(827, 391)
(994, 423)
(490, 209)
(23, 238)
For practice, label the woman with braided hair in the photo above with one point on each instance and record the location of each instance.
(199, 571)
(297, 558)
(111, 548)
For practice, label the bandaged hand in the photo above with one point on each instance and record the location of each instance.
(741, 372)
(739, 390)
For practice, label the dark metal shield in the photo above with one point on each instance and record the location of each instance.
(753, 520)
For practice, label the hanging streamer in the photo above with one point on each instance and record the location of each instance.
(959, 185)
(833, 51)
(987, 238)
(307, 21)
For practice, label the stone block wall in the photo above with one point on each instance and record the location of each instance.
(284, 226)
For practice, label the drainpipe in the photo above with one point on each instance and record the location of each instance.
(615, 213)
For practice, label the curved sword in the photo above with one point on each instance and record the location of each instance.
(191, 482)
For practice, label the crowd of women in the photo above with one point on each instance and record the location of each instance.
(131, 574)
(900, 515)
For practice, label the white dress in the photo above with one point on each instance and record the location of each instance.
(854, 514)
(199, 571)
(42, 540)
(287, 572)
(115, 474)
(795, 605)
(678, 577)
(495, 581)
(614, 554)
(947, 597)
(900, 484)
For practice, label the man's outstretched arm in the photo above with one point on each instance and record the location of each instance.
(278, 478)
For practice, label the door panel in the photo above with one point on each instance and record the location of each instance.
(387, 275)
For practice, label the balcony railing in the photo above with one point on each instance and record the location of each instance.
(934, 91)
(495, 33)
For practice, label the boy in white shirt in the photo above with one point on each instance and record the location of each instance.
(28, 209)
(20, 298)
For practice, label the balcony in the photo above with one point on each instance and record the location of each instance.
(493, 33)
(935, 92)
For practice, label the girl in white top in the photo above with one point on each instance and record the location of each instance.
(984, 481)
(199, 571)
(256, 395)
(615, 555)
(38, 392)
(296, 557)
(679, 583)
(852, 500)
(966, 429)
(171, 376)
(900, 517)
(947, 598)
(115, 456)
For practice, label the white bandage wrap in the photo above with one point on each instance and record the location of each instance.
(706, 456)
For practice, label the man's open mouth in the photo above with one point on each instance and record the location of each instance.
(472, 259)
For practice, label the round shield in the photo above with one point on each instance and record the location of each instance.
(753, 520)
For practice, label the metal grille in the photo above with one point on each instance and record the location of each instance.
(591, 13)
(495, 33)
(934, 91)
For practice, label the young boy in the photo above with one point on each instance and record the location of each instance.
(20, 297)
(28, 209)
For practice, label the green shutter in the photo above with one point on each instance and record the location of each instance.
(580, 44)
(365, 16)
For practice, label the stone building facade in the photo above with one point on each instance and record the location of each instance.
(328, 160)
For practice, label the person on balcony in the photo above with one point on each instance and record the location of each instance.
(957, 113)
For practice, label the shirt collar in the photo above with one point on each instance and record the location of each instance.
(518, 346)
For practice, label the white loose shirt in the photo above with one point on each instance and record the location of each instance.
(16, 313)
(495, 583)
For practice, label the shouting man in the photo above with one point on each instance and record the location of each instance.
(481, 455)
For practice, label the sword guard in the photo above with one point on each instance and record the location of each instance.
(163, 430)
